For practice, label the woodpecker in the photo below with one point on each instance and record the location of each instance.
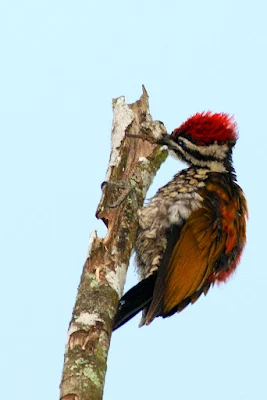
(192, 232)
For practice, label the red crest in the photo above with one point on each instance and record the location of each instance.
(207, 127)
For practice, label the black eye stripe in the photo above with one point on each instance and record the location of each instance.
(196, 153)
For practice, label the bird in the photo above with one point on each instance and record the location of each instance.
(191, 234)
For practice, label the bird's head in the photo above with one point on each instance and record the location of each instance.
(205, 139)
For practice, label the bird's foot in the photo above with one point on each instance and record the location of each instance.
(129, 190)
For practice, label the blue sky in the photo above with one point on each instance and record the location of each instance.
(61, 64)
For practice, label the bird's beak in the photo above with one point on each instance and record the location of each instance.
(167, 141)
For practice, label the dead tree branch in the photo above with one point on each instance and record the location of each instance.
(132, 161)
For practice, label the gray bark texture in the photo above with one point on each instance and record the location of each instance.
(135, 161)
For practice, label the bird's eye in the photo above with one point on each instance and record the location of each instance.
(180, 142)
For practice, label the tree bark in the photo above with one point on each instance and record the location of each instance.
(135, 161)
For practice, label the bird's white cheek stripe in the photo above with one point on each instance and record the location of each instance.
(215, 166)
(214, 150)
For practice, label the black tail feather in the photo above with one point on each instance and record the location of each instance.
(134, 301)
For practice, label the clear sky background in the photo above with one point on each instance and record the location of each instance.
(61, 63)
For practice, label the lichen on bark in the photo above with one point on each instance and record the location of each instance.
(136, 162)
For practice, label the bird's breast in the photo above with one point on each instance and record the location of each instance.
(172, 205)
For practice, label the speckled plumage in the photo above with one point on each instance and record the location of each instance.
(172, 204)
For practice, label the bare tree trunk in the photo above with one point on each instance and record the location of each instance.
(134, 161)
